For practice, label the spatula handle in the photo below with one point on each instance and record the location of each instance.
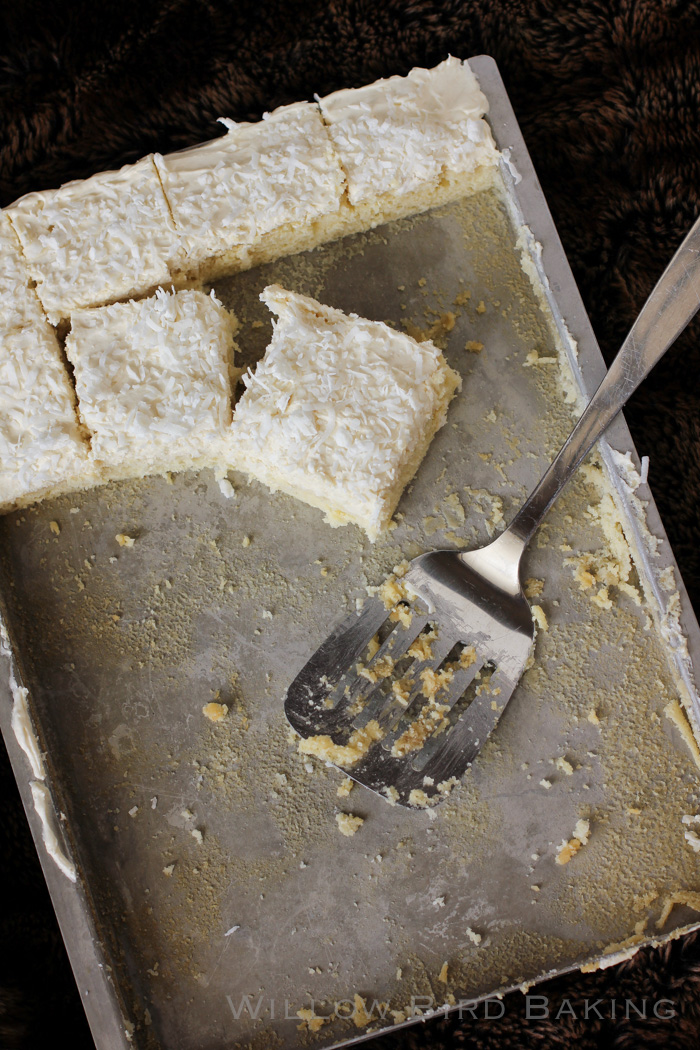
(671, 305)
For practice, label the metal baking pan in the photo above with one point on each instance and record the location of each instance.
(215, 897)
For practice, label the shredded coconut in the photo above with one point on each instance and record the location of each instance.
(398, 134)
(152, 377)
(96, 240)
(336, 409)
(257, 177)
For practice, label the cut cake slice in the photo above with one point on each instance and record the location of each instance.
(411, 143)
(153, 382)
(340, 411)
(258, 192)
(96, 240)
(43, 450)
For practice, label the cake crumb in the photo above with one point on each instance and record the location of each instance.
(593, 717)
(693, 840)
(359, 1015)
(348, 823)
(245, 542)
(569, 849)
(310, 1020)
(546, 784)
(168, 870)
(124, 541)
(345, 787)
(473, 346)
(691, 837)
(481, 308)
(215, 712)
(392, 591)
(55, 528)
(540, 618)
(475, 938)
(442, 976)
(533, 587)
(419, 799)
(563, 766)
(358, 744)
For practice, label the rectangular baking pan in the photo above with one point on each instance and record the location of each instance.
(215, 898)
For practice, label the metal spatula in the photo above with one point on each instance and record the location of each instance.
(404, 701)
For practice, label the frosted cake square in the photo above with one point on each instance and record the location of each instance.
(410, 143)
(19, 305)
(42, 447)
(340, 411)
(96, 240)
(255, 193)
(153, 381)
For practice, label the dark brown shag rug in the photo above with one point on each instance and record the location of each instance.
(608, 98)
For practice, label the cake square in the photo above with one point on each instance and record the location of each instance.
(42, 448)
(19, 305)
(406, 135)
(340, 411)
(266, 181)
(96, 240)
(153, 381)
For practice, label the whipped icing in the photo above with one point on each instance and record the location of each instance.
(19, 305)
(257, 177)
(337, 403)
(21, 721)
(40, 440)
(97, 239)
(45, 811)
(152, 376)
(396, 135)
(24, 731)
(26, 738)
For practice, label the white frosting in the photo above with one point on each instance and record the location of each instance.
(19, 305)
(21, 720)
(24, 731)
(96, 240)
(152, 377)
(40, 441)
(396, 135)
(44, 810)
(337, 403)
(254, 179)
